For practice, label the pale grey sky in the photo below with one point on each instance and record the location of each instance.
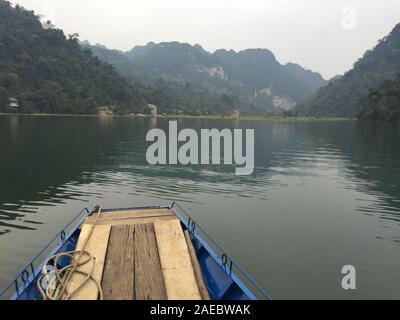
(327, 36)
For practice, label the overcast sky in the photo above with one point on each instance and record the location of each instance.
(327, 36)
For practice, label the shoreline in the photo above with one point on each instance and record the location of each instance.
(258, 118)
(202, 117)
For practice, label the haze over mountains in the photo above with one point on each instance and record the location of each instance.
(45, 71)
(341, 97)
(48, 72)
(254, 75)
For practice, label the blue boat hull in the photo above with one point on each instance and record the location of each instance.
(218, 269)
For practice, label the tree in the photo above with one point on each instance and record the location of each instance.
(382, 103)
(47, 72)
(11, 83)
(3, 97)
(74, 36)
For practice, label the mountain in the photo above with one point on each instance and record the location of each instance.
(254, 75)
(51, 73)
(334, 78)
(48, 72)
(382, 103)
(340, 98)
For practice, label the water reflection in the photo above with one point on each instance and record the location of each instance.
(313, 182)
(55, 157)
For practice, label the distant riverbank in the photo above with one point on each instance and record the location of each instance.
(208, 117)
(255, 118)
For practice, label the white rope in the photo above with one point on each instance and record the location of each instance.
(57, 280)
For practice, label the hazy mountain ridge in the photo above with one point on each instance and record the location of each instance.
(48, 72)
(253, 75)
(51, 73)
(341, 96)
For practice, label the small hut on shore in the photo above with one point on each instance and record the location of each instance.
(104, 111)
(235, 114)
(13, 103)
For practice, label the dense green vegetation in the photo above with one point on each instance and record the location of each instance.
(253, 80)
(382, 103)
(174, 98)
(48, 72)
(51, 73)
(341, 96)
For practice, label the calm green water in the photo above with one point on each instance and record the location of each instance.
(323, 195)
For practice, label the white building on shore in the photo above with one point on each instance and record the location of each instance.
(153, 110)
(13, 103)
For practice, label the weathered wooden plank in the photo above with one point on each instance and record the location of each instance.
(132, 221)
(149, 282)
(119, 268)
(197, 269)
(130, 214)
(97, 247)
(180, 281)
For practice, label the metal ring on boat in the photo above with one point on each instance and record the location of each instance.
(193, 225)
(224, 259)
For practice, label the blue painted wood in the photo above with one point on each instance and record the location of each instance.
(221, 282)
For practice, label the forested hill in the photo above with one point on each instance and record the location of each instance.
(254, 76)
(51, 73)
(48, 72)
(340, 98)
(382, 103)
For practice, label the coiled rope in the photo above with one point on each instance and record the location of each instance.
(53, 285)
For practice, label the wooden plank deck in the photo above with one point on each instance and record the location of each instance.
(149, 279)
(141, 255)
(177, 268)
(120, 261)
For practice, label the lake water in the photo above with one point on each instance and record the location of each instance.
(323, 195)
